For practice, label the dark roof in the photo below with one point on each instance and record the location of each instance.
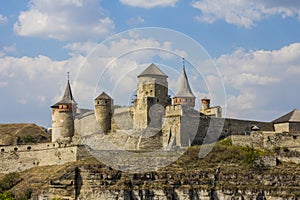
(184, 89)
(152, 70)
(293, 116)
(103, 95)
(67, 98)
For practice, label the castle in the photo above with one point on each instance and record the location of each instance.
(153, 112)
(153, 122)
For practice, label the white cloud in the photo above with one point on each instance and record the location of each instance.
(257, 81)
(149, 3)
(3, 19)
(135, 21)
(64, 20)
(8, 49)
(82, 48)
(243, 12)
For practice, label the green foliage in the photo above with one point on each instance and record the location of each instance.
(249, 154)
(226, 142)
(6, 196)
(28, 139)
(8, 181)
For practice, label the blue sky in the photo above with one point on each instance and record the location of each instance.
(255, 45)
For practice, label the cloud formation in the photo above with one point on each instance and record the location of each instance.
(258, 81)
(149, 3)
(7, 49)
(64, 20)
(3, 19)
(135, 21)
(243, 12)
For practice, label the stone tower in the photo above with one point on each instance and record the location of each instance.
(205, 103)
(152, 97)
(103, 111)
(184, 95)
(63, 117)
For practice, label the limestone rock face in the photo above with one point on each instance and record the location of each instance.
(88, 182)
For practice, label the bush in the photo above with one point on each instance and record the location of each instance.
(6, 196)
(8, 181)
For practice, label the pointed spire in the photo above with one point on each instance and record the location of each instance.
(184, 89)
(67, 97)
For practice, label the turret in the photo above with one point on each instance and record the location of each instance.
(205, 103)
(184, 95)
(103, 111)
(63, 117)
(152, 90)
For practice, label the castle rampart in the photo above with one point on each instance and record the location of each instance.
(20, 158)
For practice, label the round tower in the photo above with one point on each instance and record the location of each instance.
(205, 103)
(103, 111)
(63, 117)
(152, 89)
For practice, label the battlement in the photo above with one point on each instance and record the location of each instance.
(173, 110)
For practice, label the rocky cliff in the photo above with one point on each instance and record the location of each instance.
(228, 172)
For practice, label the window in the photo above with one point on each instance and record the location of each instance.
(16, 149)
(29, 148)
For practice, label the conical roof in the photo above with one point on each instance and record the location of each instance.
(152, 70)
(293, 116)
(103, 95)
(67, 98)
(184, 89)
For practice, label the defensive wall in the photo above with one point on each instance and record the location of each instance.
(268, 140)
(22, 157)
(123, 118)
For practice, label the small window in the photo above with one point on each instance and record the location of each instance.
(105, 101)
(2, 150)
(157, 100)
(29, 148)
(98, 102)
(16, 149)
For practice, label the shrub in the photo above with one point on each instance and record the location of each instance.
(8, 181)
(6, 196)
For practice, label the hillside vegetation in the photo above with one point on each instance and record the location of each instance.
(13, 134)
(226, 167)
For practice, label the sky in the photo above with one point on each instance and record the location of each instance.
(244, 55)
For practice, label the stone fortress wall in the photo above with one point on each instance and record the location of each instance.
(178, 126)
(22, 157)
